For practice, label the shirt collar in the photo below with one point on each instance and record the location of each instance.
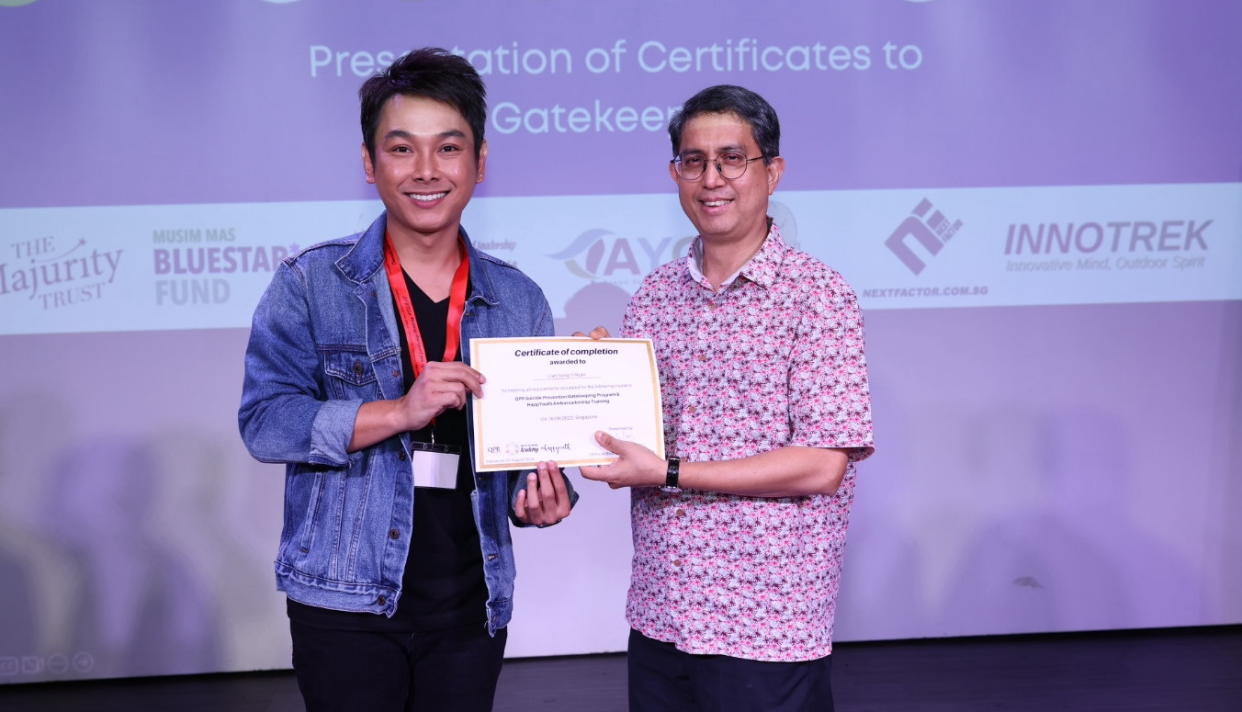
(762, 267)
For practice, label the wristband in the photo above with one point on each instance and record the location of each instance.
(671, 475)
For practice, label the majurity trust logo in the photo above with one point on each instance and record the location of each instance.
(919, 229)
(56, 276)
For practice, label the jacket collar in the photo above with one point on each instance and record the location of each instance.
(366, 258)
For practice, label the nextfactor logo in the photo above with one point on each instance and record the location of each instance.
(931, 232)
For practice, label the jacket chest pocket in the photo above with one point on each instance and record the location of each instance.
(349, 374)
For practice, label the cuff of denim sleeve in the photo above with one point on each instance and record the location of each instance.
(332, 430)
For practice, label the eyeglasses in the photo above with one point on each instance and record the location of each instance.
(730, 165)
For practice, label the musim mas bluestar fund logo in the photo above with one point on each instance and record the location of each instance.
(196, 265)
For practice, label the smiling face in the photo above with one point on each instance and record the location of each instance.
(726, 211)
(424, 168)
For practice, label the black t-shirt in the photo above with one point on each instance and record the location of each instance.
(443, 583)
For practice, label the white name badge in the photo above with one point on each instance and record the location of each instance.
(435, 469)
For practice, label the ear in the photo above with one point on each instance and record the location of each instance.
(368, 166)
(672, 172)
(482, 163)
(776, 169)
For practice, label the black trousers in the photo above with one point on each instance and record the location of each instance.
(339, 670)
(665, 679)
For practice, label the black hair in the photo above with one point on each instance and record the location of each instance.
(429, 72)
(729, 99)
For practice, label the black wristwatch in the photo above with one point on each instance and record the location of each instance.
(671, 475)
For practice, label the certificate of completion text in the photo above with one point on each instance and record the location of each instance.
(544, 399)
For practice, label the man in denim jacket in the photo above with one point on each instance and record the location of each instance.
(395, 555)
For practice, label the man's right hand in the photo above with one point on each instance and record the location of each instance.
(440, 387)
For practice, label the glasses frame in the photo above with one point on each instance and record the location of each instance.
(677, 164)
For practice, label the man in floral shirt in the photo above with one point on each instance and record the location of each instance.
(739, 535)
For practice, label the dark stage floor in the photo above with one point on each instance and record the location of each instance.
(1182, 670)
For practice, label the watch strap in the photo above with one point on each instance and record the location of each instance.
(672, 475)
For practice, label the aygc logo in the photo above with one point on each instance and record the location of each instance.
(599, 254)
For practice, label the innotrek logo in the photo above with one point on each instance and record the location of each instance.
(598, 254)
(931, 232)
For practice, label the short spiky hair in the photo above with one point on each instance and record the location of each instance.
(730, 99)
(429, 72)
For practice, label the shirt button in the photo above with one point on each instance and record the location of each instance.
(491, 557)
(701, 357)
(393, 534)
(401, 456)
(691, 410)
(676, 562)
(396, 373)
(681, 512)
(357, 368)
(382, 600)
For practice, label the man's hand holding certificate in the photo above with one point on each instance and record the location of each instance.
(545, 398)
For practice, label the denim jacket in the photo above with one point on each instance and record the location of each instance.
(323, 342)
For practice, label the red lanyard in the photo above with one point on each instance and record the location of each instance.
(405, 307)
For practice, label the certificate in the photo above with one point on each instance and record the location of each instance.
(544, 399)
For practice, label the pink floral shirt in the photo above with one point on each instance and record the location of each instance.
(774, 359)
